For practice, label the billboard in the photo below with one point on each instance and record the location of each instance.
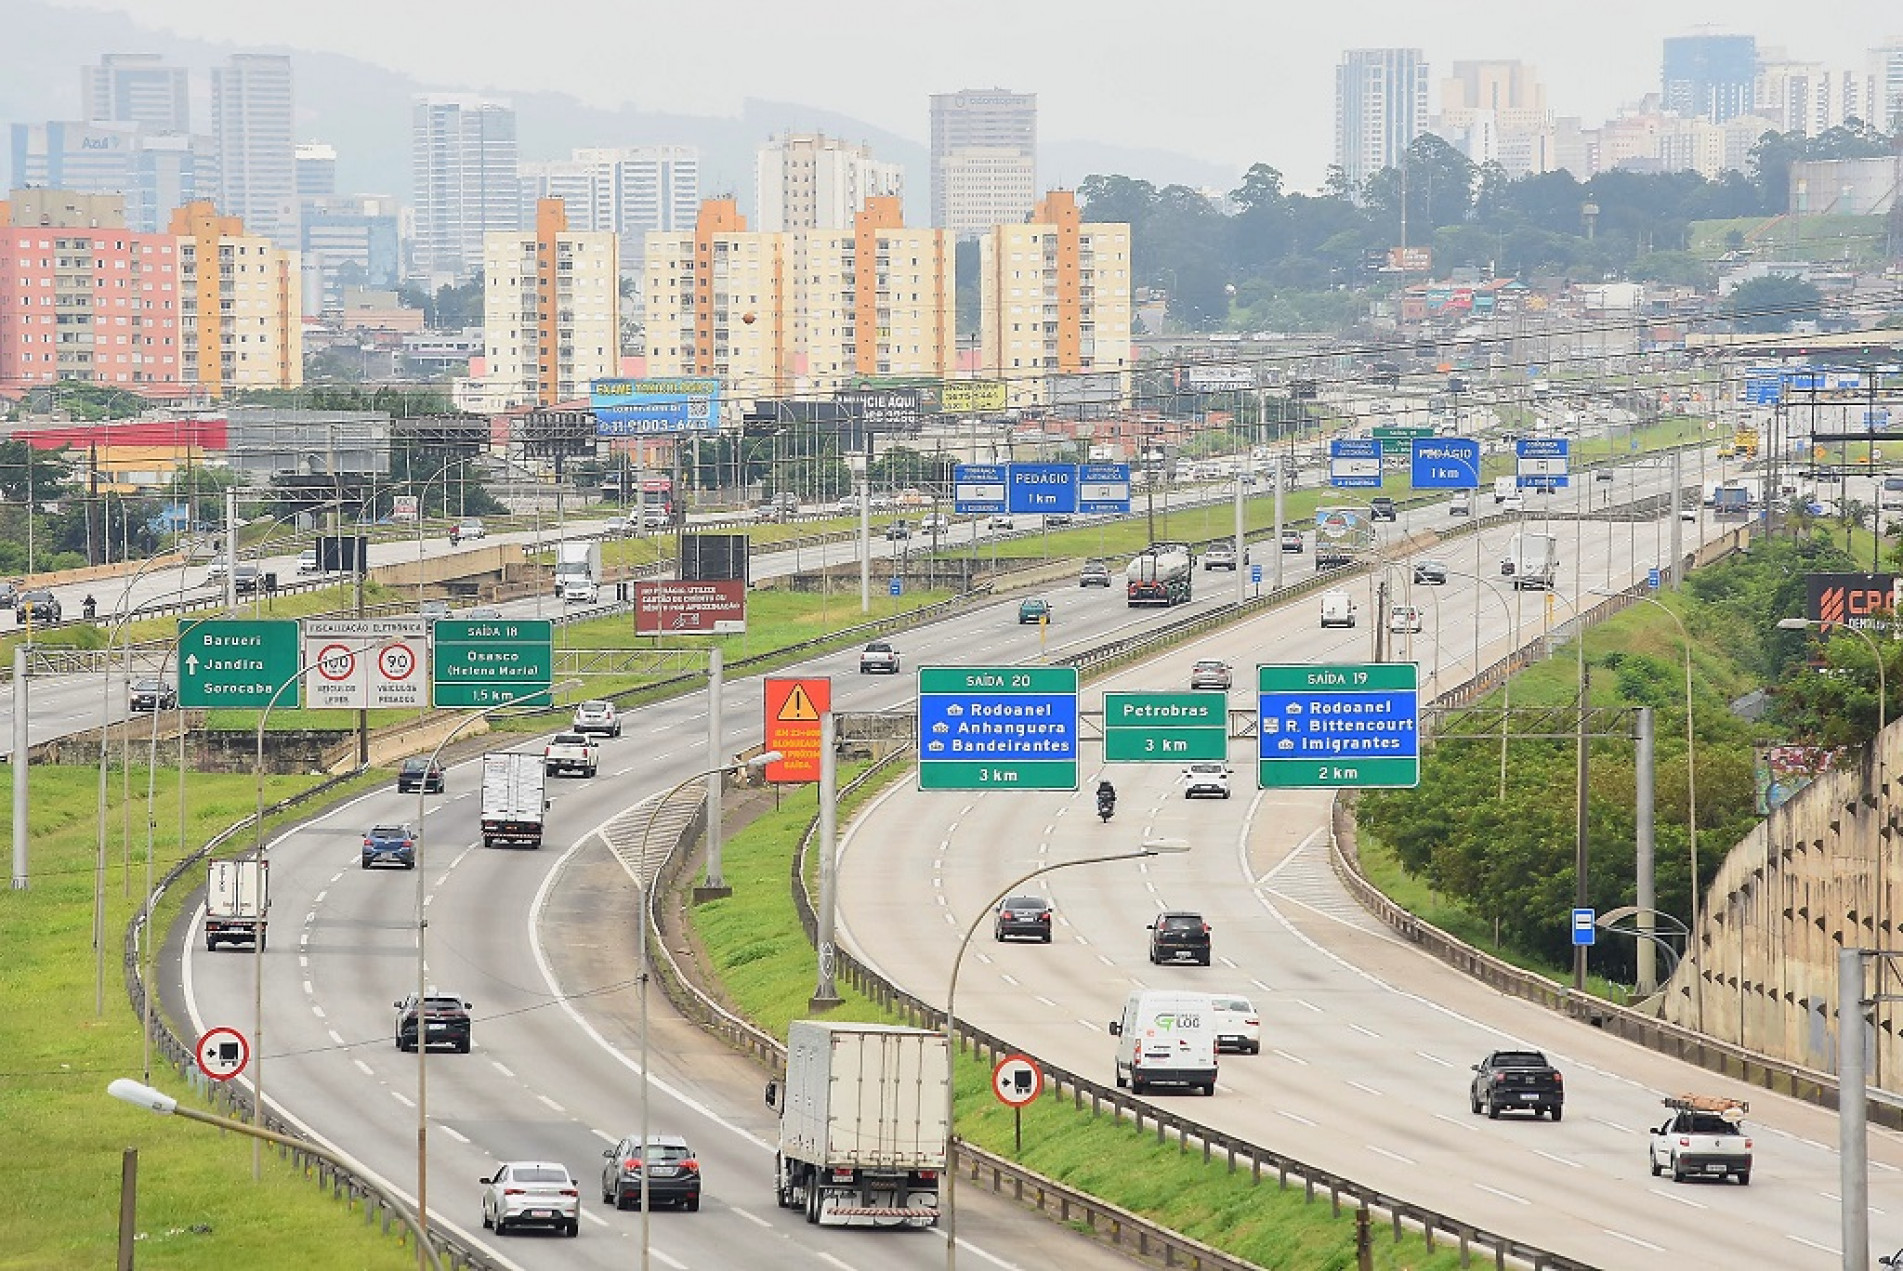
(690, 608)
(654, 407)
(970, 397)
(885, 409)
(1218, 378)
(1780, 771)
(714, 557)
(1867, 601)
(1411, 260)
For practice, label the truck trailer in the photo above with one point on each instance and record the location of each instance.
(1532, 561)
(514, 799)
(237, 902)
(577, 562)
(863, 1127)
(1159, 578)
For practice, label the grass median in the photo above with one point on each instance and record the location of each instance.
(767, 971)
(198, 1208)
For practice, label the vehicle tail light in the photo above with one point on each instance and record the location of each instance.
(1499, 1078)
(632, 1164)
(1684, 1140)
(691, 1165)
(514, 1191)
(570, 1191)
(1253, 1022)
(1045, 916)
(1559, 1079)
(1747, 1145)
(842, 1176)
(926, 1175)
(409, 842)
(366, 842)
(1205, 928)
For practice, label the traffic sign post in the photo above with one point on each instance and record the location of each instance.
(365, 663)
(1017, 1081)
(1328, 727)
(222, 1053)
(1446, 463)
(1354, 464)
(895, 586)
(793, 710)
(491, 661)
(1542, 462)
(1005, 728)
(1165, 727)
(239, 663)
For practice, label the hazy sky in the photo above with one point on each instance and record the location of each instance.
(1232, 82)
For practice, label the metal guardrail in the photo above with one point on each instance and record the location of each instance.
(229, 1099)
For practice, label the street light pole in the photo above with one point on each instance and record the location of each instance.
(1151, 847)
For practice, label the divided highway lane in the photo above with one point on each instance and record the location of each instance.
(1366, 1041)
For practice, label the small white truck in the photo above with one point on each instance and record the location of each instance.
(237, 902)
(1166, 1038)
(578, 561)
(514, 799)
(1532, 561)
(571, 752)
(1702, 1138)
(1338, 609)
(862, 1124)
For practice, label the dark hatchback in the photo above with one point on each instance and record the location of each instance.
(1023, 916)
(447, 1017)
(1179, 937)
(673, 1173)
(152, 695)
(419, 774)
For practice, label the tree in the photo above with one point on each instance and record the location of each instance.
(1772, 303)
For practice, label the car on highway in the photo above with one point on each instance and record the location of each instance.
(389, 844)
(581, 591)
(307, 562)
(1516, 1081)
(897, 530)
(9, 595)
(467, 529)
(1513, 503)
(1460, 505)
(1602, 474)
(151, 695)
(1211, 673)
(446, 1015)
(1702, 1138)
(1180, 936)
(879, 658)
(596, 718)
(1219, 556)
(847, 506)
(38, 605)
(1238, 1025)
(571, 752)
(1404, 619)
(1096, 573)
(652, 517)
(1057, 520)
(1022, 916)
(999, 521)
(1292, 541)
(1034, 611)
(934, 523)
(481, 613)
(672, 1168)
(1431, 573)
(246, 580)
(531, 1194)
(431, 610)
(1381, 508)
(419, 774)
(1206, 779)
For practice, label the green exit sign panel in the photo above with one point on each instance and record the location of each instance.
(491, 662)
(997, 728)
(1342, 725)
(229, 662)
(1165, 727)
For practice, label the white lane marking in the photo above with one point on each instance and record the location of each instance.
(303, 962)
(1012, 980)
(551, 1104)
(1689, 1204)
(1434, 1059)
(1457, 1123)
(459, 1137)
(336, 1037)
(846, 1266)
(308, 990)
(1230, 963)
(1106, 961)
(1259, 984)
(1310, 1005)
(403, 1099)
(1293, 1116)
(334, 877)
(1366, 1089)
(1365, 1032)
(605, 1137)
(318, 899)
(1829, 1249)
(1495, 1191)
(318, 1011)
(499, 1068)
(1396, 1156)
(1558, 1160)
(364, 1068)
(753, 1218)
(1610, 1125)
(1294, 1059)
(599, 1221)
(1045, 1000)
(1091, 1024)
(984, 957)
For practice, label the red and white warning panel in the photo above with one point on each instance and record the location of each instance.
(223, 1053)
(366, 663)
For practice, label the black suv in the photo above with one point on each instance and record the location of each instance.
(38, 605)
(419, 774)
(1023, 916)
(152, 695)
(447, 1017)
(1179, 937)
(1381, 508)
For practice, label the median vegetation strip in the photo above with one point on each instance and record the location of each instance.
(198, 1208)
(766, 969)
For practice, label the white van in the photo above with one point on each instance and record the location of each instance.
(1503, 487)
(1338, 609)
(1166, 1038)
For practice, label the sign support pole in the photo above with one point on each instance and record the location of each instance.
(825, 992)
(1281, 481)
(716, 886)
(21, 745)
(1242, 549)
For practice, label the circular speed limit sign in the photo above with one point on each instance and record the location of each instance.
(397, 662)
(335, 662)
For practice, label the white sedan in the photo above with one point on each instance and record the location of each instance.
(1238, 1026)
(1210, 779)
(531, 1194)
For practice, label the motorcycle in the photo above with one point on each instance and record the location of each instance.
(1106, 806)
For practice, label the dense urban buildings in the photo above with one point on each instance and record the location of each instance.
(240, 314)
(628, 191)
(136, 88)
(252, 109)
(812, 181)
(1710, 76)
(1380, 107)
(551, 312)
(463, 159)
(984, 159)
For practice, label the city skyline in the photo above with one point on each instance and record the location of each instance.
(1255, 90)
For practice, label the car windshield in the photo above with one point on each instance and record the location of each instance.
(665, 1153)
(148, 686)
(595, 708)
(878, 646)
(1204, 769)
(415, 765)
(1709, 1123)
(1025, 902)
(1519, 1059)
(1207, 665)
(1232, 1004)
(389, 832)
(442, 1004)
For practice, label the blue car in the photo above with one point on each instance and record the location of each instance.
(391, 845)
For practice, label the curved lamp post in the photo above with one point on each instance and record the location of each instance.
(1151, 847)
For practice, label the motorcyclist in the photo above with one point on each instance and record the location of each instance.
(88, 607)
(1106, 796)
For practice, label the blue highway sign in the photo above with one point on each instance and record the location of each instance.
(1042, 487)
(1542, 462)
(1354, 464)
(1103, 488)
(978, 488)
(1446, 463)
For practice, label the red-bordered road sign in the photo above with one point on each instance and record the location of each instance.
(336, 662)
(223, 1053)
(1017, 1080)
(793, 708)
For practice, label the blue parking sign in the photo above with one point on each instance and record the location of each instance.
(896, 587)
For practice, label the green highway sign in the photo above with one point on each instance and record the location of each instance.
(238, 663)
(1329, 726)
(491, 661)
(997, 728)
(1398, 438)
(1165, 727)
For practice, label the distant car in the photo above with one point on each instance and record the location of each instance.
(1381, 508)
(879, 658)
(1211, 673)
(1238, 1025)
(1057, 520)
(467, 529)
(1000, 521)
(879, 503)
(596, 718)
(1219, 556)
(447, 1018)
(1180, 936)
(307, 563)
(1404, 619)
(1513, 503)
(481, 613)
(898, 530)
(152, 695)
(653, 517)
(1460, 505)
(1211, 779)
(434, 609)
(1516, 1080)
(673, 1173)
(419, 774)
(1292, 541)
(9, 595)
(1034, 611)
(1432, 573)
(246, 579)
(38, 605)
(1095, 573)
(581, 591)
(1602, 474)
(532, 1194)
(1022, 916)
(571, 752)
(848, 505)
(934, 523)
(390, 845)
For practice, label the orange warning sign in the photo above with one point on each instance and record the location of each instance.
(793, 708)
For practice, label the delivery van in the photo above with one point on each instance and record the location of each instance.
(1166, 1038)
(1338, 609)
(1504, 488)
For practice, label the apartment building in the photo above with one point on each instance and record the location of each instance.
(252, 107)
(1056, 300)
(984, 159)
(240, 305)
(629, 191)
(84, 298)
(463, 161)
(719, 302)
(806, 181)
(1709, 77)
(1380, 107)
(136, 88)
(551, 311)
(1496, 112)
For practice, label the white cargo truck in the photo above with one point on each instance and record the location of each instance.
(237, 902)
(577, 562)
(514, 799)
(1532, 561)
(862, 1124)
(1166, 1039)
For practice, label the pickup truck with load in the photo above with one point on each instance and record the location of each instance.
(1517, 1080)
(1532, 561)
(862, 1137)
(514, 799)
(237, 902)
(579, 561)
(1702, 1138)
(1159, 578)
(571, 752)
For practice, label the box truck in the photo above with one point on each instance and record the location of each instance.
(1532, 561)
(514, 799)
(862, 1124)
(237, 902)
(577, 562)
(1166, 1039)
